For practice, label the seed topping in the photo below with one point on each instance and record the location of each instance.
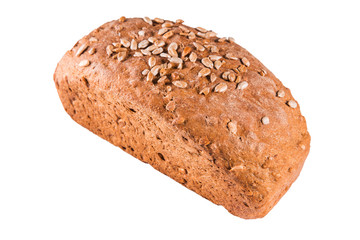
(292, 104)
(265, 120)
(180, 84)
(221, 87)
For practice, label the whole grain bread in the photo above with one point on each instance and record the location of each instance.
(198, 108)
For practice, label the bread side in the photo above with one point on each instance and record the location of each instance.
(221, 124)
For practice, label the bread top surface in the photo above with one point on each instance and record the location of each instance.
(224, 99)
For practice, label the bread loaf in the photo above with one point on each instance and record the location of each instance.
(198, 108)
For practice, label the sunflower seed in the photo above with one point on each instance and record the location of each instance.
(158, 20)
(210, 34)
(179, 21)
(245, 61)
(152, 61)
(204, 72)
(84, 63)
(185, 52)
(121, 56)
(207, 62)
(145, 52)
(81, 49)
(145, 71)
(133, 45)
(180, 84)
(238, 79)
(191, 35)
(163, 31)
(167, 24)
(212, 77)
(214, 57)
(150, 77)
(222, 39)
(185, 29)
(143, 44)
(176, 60)
(231, 39)
(173, 45)
(221, 87)
(232, 127)
(151, 48)
(138, 54)
(92, 51)
(93, 39)
(231, 56)
(157, 51)
(168, 34)
(141, 33)
(163, 79)
(205, 91)
(159, 43)
(242, 68)
(232, 77)
(225, 75)
(193, 57)
(217, 64)
(292, 104)
(172, 49)
(109, 50)
(170, 106)
(265, 120)
(280, 93)
(122, 19)
(214, 49)
(199, 47)
(165, 55)
(152, 39)
(200, 34)
(262, 72)
(155, 70)
(148, 20)
(242, 85)
(125, 42)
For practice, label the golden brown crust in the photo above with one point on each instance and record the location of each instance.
(210, 90)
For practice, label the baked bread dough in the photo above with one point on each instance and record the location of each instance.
(196, 107)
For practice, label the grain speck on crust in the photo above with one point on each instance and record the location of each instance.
(292, 104)
(265, 120)
(232, 127)
(170, 106)
(280, 93)
(84, 63)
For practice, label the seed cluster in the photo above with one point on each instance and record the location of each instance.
(166, 58)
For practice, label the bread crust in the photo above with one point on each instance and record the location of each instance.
(240, 147)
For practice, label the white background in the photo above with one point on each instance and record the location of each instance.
(59, 181)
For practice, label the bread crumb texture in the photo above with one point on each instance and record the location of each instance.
(198, 108)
